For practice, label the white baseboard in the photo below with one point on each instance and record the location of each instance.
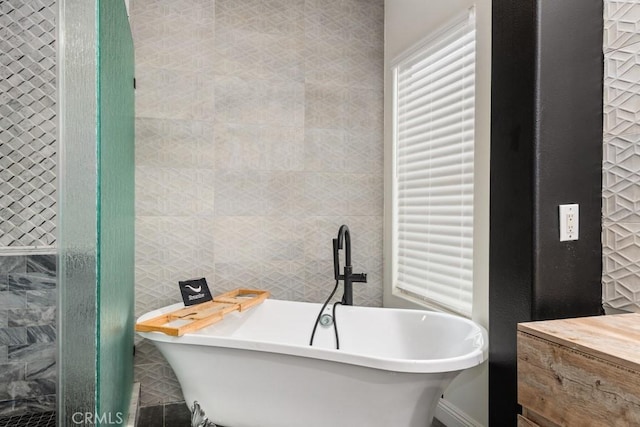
(451, 416)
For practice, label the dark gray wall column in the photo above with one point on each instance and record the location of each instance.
(568, 157)
(546, 150)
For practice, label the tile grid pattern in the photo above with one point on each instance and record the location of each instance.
(621, 157)
(27, 123)
(258, 132)
(27, 334)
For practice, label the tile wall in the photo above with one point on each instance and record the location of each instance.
(27, 334)
(27, 123)
(27, 206)
(621, 163)
(258, 132)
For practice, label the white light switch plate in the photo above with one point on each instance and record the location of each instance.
(569, 222)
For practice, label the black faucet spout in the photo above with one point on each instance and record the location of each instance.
(344, 236)
(344, 239)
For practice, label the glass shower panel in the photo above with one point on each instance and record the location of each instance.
(77, 215)
(96, 218)
(115, 210)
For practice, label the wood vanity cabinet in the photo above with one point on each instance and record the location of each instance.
(580, 372)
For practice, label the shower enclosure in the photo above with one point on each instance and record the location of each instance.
(96, 109)
(66, 201)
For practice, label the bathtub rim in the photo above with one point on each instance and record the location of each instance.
(477, 356)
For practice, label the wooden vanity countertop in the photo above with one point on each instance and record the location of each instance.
(615, 338)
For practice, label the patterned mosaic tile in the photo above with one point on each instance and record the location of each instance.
(27, 124)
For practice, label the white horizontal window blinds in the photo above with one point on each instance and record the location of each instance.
(434, 142)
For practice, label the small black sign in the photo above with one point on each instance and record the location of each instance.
(195, 291)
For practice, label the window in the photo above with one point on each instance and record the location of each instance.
(433, 144)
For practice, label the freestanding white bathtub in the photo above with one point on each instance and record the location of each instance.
(256, 368)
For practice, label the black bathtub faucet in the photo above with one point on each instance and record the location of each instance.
(348, 277)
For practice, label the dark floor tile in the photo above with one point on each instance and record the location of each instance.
(41, 419)
(151, 416)
(177, 415)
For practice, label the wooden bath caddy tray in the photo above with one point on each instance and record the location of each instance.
(204, 314)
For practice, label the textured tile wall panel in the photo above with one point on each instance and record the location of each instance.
(272, 239)
(343, 194)
(259, 147)
(158, 384)
(253, 55)
(27, 123)
(157, 285)
(174, 34)
(621, 175)
(621, 23)
(173, 94)
(621, 161)
(622, 91)
(165, 143)
(259, 102)
(279, 17)
(178, 240)
(621, 266)
(147, 353)
(250, 193)
(259, 132)
(174, 191)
